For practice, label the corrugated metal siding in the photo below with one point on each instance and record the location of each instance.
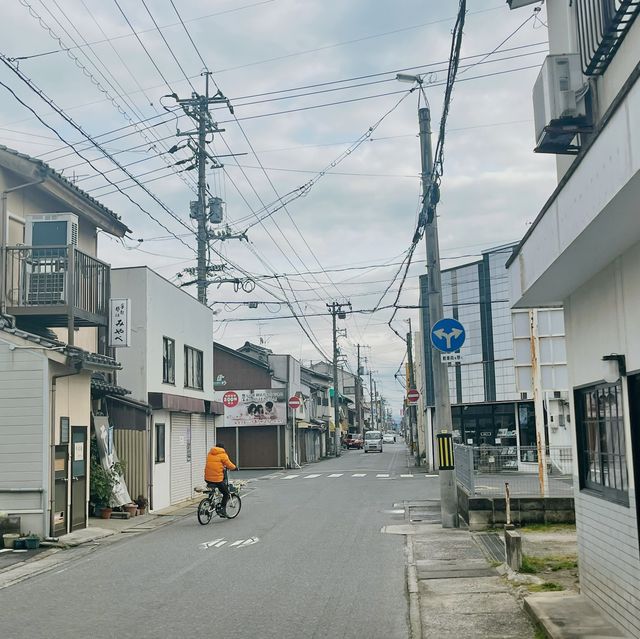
(198, 448)
(131, 448)
(180, 467)
(610, 578)
(22, 421)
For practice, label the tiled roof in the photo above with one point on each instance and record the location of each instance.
(73, 352)
(60, 178)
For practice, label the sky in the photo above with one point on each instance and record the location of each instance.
(307, 79)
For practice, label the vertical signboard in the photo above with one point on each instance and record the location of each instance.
(119, 322)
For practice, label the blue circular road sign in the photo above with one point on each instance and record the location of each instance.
(448, 335)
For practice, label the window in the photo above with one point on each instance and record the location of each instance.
(601, 442)
(159, 443)
(192, 368)
(64, 430)
(168, 360)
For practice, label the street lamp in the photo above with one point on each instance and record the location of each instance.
(442, 417)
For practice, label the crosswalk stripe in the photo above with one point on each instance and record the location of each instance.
(359, 475)
(406, 475)
(290, 476)
(382, 475)
(336, 475)
(312, 476)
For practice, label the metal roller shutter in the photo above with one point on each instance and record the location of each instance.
(180, 457)
(198, 448)
(211, 432)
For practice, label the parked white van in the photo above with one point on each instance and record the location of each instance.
(373, 441)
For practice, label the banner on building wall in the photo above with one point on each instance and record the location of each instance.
(266, 407)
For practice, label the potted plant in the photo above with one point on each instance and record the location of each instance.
(101, 486)
(132, 509)
(142, 502)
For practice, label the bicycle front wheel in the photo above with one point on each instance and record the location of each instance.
(233, 506)
(205, 511)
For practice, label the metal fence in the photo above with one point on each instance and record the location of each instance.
(483, 470)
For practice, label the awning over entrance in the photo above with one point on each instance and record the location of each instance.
(177, 403)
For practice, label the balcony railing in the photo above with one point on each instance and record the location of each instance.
(58, 282)
(602, 26)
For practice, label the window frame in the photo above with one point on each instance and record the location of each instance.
(606, 428)
(166, 362)
(191, 374)
(160, 458)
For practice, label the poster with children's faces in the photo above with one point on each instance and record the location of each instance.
(257, 408)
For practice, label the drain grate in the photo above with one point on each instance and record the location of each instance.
(492, 545)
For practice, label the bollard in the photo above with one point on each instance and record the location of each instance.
(513, 547)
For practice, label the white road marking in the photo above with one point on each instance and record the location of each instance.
(237, 543)
(336, 475)
(249, 542)
(359, 475)
(382, 475)
(291, 476)
(221, 543)
(312, 476)
(208, 544)
(432, 475)
(406, 475)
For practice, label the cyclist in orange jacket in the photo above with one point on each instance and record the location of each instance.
(214, 473)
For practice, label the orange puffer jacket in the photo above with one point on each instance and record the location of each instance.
(217, 461)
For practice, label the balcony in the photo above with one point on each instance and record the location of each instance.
(58, 286)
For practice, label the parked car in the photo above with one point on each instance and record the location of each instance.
(373, 441)
(389, 438)
(353, 440)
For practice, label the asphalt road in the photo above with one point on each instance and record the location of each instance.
(304, 559)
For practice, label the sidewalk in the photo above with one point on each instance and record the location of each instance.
(456, 593)
(17, 566)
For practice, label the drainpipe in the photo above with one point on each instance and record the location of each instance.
(52, 478)
(3, 240)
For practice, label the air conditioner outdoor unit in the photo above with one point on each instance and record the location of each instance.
(46, 272)
(559, 105)
(52, 229)
(562, 395)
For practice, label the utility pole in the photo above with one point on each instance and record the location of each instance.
(358, 395)
(375, 399)
(335, 308)
(448, 489)
(197, 108)
(413, 421)
(372, 426)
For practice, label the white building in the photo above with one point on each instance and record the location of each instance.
(583, 252)
(169, 365)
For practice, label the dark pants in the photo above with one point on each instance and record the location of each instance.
(224, 489)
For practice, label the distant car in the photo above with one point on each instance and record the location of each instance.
(353, 440)
(389, 438)
(373, 441)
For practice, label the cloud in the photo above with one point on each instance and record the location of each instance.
(492, 186)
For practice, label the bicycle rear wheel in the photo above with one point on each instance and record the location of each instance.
(205, 511)
(233, 506)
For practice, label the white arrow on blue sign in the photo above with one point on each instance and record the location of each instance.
(448, 335)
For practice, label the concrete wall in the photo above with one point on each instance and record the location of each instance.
(24, 421)
(482, 513)
(602, 318)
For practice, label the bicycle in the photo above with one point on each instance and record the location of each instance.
(212, 504)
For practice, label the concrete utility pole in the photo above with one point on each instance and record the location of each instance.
(197, 108)
(335, 308)
(413, 421)
(442, 418)
(358, 395)
(372, 426)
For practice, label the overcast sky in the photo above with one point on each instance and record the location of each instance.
(307, 78)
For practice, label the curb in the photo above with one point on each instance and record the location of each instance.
(415, 623)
